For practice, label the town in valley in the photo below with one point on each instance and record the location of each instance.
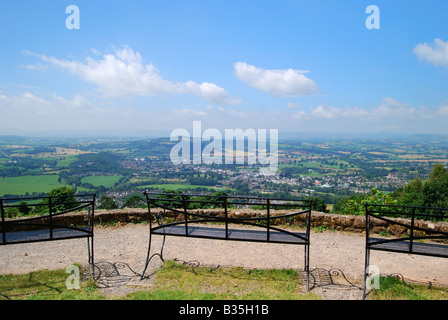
(117, 168)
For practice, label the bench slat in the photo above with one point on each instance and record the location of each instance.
(233, 234)
(44, 235)
(404, 246)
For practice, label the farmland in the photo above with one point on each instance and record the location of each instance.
(117, 167)
(29, 184)
(105, 181)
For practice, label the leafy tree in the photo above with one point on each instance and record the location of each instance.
(435, 190)
(12, 212)
(23, 208)
(356, 204)
(173, 195)
(411, 194)
(438, 172)
(430, 193)
(107, 203)
(241, 187)
(345, 204)
(62, 199)
(217, 196)
(134, 201)
(318, 204)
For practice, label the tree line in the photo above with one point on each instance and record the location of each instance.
(430, 193)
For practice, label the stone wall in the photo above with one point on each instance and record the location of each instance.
(347, 223)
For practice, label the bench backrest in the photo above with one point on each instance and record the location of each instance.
(48, 213)
(259, 212)
(411, 224)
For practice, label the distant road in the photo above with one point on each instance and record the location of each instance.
(5, 154)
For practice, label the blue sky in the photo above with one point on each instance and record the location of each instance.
(302, 65)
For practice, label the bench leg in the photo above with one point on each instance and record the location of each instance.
(307, 266)
(149, 257)
(90, 252)
(367, 263)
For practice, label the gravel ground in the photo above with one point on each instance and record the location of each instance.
(336, 259)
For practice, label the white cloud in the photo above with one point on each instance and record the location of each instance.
(287, 82)
(326, 112)
(292, 105)
(209, 91)
(443, 109)
(183, 114)
(31, 111)
(436, 54)
(330, 112)
(388, 113)
(28, 102)
(299, 115)
(390, 107)
(124, 73)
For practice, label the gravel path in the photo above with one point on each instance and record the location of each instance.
(336, 259)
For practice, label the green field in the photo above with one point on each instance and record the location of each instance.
(30, 184)
(65, 161)
(174, 186)
(106, 181)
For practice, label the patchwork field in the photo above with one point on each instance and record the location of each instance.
(106, 181)
(30, 184)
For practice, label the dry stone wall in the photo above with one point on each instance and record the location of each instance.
(347, 223)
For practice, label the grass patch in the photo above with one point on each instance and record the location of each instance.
(45, 285)
(66, 161)
(173, 186)
(106, 181)
(392, 288)
(176, 281)
(30, 184)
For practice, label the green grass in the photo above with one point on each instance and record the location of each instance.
(45, 285)
(176, 281)
(66, 161)
(106, 181)
(392, 288)
(174, 186)
(173, 281)
(30, 184)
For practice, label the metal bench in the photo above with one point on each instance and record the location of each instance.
(51, 224)
(220, 224)
(409, 234)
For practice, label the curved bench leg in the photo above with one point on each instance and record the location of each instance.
(149, 257)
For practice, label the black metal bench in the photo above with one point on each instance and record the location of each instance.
(51, 224)
(407, 233)
(219, 224)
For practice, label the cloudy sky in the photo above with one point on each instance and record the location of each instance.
(299, 65)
